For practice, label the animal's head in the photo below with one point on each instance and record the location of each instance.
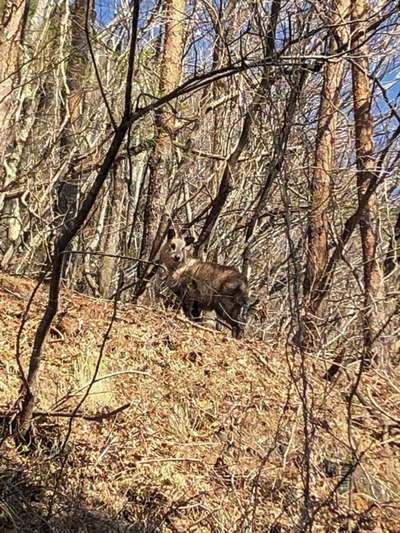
(175, 251)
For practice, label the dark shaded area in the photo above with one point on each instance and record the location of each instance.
(24, 502)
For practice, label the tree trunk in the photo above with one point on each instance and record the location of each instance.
(12, 22)
(374, 315)
(77, 63)
(108, 267)
(155, 219)
(317, 249)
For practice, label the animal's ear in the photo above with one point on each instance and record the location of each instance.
(189, 240)
(171, 234)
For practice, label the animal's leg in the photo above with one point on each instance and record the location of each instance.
(232, 316)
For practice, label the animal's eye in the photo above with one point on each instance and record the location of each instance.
(173, 246)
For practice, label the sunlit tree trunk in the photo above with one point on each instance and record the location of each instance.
(321, 186)
(12, 24)
(112, 239)
(75, 72)
(373, 314)
(12, 21)
(155, 219)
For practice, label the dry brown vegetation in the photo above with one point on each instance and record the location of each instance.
(212, 437)
(270, 133)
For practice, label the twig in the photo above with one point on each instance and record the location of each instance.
(21, 328)
(118, 373)
(96, 418)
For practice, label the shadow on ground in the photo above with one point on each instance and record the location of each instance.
(24, 504)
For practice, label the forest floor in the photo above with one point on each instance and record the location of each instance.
(213, 435)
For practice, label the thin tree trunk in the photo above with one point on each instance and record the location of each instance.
(155, 219)
(78, 61)
(12, 22)
(374, 314)
(112, 239)
(317, 249)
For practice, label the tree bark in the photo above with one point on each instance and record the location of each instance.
(78, 61)
(321, 186)
(374, 314)
(12, 22)
(155, 219)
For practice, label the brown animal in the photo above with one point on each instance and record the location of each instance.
(173, 254)
(205, 286)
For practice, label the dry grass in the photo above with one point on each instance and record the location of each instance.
(212, 439)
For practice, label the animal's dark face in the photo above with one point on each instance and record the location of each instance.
(178, 247)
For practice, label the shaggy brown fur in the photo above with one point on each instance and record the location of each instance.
(204, 286)
(213, 287)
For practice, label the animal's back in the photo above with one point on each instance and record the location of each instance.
(208, 282)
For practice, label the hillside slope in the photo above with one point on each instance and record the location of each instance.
(211, 435)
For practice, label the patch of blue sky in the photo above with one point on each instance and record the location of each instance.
(107, 10)
(391, 83)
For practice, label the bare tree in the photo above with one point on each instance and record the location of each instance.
(155, 219)
(63, 240)
(252, 113)
(374, 314)
(321, 184)
(13, 17)
(78, 63)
